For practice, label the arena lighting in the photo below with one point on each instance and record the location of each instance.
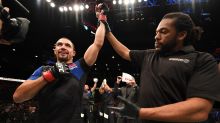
(61, 9)
(85, 27)
(126, 2)
(114, 1)
(65, 9)
(70, 8)
(76, 7)
(120, 2)
(52, 5)
(86, 6)
(81, 7)
(132, 1)
(140, 4)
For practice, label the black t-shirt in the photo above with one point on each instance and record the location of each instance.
(174, 77)
(60, 101)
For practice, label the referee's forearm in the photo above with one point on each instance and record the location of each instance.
(191, 110)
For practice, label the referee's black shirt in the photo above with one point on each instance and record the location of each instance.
(174, 77)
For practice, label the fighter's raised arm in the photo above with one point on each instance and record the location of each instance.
(121, 49)
(92, 52)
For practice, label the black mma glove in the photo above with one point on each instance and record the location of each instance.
(129, 109)
(102, 9)
(55, 72)
(107, 27)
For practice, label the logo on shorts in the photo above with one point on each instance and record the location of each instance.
(179, 60)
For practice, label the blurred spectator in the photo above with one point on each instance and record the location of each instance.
(18, 113)
(107, 97)
(129, 92)
(88, 103)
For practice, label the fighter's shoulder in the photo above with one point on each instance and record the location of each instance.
(81, 63)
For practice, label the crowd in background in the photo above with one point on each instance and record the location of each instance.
(94, 107)
(18, 113)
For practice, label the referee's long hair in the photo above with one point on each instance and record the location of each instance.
(183, 22)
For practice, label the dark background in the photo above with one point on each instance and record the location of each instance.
(134, 26)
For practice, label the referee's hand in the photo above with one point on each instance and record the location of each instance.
(129, 109)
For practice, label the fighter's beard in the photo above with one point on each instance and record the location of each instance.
(63, 59)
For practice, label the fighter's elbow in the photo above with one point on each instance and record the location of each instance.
(202, 117)
(98, 44)
(17, 98)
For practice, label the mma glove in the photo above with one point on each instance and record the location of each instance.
(102, 9)
(56, 71)
(129, 109)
